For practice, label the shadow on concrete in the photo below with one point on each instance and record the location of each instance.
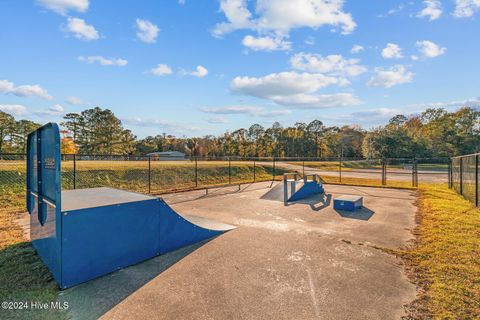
(316, 202)
(361, 214)
(326, 201)
(92, 299)
(275, 193)
(187, 196)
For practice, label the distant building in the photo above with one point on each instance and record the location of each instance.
(167, 155)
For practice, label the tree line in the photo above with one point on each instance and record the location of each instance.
(435, 132)
(13, 133)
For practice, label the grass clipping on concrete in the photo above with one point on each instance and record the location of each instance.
(445, 260)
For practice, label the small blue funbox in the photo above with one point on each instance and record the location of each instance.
(348, 203)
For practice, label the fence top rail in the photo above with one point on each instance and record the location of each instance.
(466, 155)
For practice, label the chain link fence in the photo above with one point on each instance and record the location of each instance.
(464, 177)
(154, 175)
(13, 175)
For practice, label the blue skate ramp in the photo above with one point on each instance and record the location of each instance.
(87, 233)
(305, 190)
(302, 190)
(177, 231)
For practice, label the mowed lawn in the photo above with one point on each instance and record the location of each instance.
(445, 260)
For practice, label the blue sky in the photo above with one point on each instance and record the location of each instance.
(204, 67)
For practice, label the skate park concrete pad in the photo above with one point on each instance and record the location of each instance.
(302, 261)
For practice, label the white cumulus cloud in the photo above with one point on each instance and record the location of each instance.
(217, 120)
(466, 8)
(266, 43)
(374, 114)
(253, 111)
(393, 11)
(74, 101)
(429, 49)
(81, 30)
(238, 17)
(55, 110)
(147, 31)
(199, 72)
(103, 61)
(161, 70)
(294, 89)
(14, 109)
(432, 10)
(388, 78)
(332, 64)
(28, 91)
(451, 105)
(369, 116)
(276, 18)
(280, 84)
(357, 49)
(320, 101)
(63, 6)
(392, 51)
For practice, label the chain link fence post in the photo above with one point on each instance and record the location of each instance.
(196, 172)
(229, 170)
(384, 172)
(413, 172)
(476, 180)
(273, 172)
(340, 170)
(254, 172)
(74, 171)
(461, 176)
(450, 178)
(416, 173)
(149, 175)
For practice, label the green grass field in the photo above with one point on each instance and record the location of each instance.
(445, 260)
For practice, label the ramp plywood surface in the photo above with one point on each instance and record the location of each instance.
(98, 197)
